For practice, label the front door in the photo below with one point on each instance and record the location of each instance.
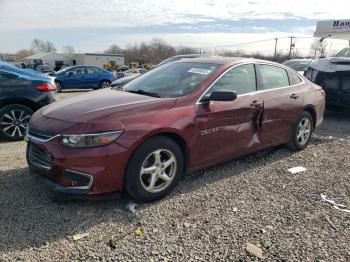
(92, 76)
(229, 129)
(283, 101)
(74, 78)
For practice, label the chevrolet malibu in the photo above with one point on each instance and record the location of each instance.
(177, 118)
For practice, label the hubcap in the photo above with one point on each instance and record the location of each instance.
(304, 131)
(158, 170)
(14, 123)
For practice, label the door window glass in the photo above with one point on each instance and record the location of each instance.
(273, 77)
(293, 79)
(93, 70)
(240, 79)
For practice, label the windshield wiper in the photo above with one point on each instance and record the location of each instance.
(142, 92)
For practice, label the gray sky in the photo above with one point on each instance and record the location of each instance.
(93, 25)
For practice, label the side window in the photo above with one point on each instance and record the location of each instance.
(293, 79)
(93, 70)
(273, 77)
(240, 79)
(76, 71)
(6, 76)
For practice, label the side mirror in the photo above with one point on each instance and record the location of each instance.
(70, 73)
(221, 96)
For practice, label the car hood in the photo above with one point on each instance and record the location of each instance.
(105, 105)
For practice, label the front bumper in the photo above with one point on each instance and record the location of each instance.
(85, 171)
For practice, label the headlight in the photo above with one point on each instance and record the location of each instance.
(90, 140)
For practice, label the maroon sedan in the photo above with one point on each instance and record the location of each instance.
(177, 118)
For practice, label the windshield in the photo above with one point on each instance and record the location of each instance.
(172, 80)
(298, 65)
(343, 53)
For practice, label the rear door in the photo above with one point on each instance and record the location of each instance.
(283, 101)
(228, 129)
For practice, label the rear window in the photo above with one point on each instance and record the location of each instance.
(273, 77)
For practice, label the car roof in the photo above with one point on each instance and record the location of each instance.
(190, 55)
(224, 60)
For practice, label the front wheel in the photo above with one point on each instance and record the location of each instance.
(154, 169)
(302, 131)
(13, 121)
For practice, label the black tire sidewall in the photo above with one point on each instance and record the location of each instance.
(59, 86)
(132, 183)
(7, 109)
(104, 81)
(294, 144)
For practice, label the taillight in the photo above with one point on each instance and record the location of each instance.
(46, 87)
(323, 93)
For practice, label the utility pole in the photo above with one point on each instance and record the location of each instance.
(276, 39)
(290, 46)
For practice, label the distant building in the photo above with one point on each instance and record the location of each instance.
(92, 59)
(99, 60)
(52, 59)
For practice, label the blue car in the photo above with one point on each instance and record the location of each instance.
(83, 77)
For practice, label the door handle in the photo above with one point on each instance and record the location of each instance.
(256, 103)
(294, 96)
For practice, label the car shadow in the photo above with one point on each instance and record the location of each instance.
(29, 218)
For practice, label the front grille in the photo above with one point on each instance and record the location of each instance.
(37, 135)
(39, 157)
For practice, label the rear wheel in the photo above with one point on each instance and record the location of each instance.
(154, 169)
(105, 84)
(13, 121)
(302, 131)
(59, 86)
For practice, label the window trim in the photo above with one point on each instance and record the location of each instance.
(224, 73)
(258, 80)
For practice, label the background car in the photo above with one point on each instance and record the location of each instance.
(83, 77)
(299, 65)
(333, 74)
(177, 118)
(45, 69)
(21, 93)
(134, 71)
(119, 83)
(344, 53)
(178, 57)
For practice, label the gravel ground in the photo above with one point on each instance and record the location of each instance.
(237, 211)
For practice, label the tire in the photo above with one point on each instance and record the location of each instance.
(302, 131)
(13, 121)
(59, 86)
(105, 84)
(138, 180)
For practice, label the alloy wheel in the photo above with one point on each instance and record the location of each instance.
(158, 170)
(304, 131)
(14, 123)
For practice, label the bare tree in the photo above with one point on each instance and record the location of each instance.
(23, 53)
(68, 50)
(40, 46)
(114, 49)
(183, 50)
(232, 53)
